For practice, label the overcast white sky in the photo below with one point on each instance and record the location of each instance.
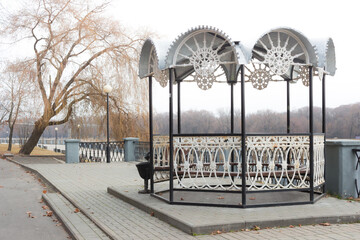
(242, 19)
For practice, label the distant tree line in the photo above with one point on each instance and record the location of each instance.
(341, 122)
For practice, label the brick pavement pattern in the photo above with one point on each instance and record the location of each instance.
(85, 185)
(81, 227)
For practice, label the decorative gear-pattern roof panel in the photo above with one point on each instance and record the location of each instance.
(282, 48)
(203, 49)
(201, 52)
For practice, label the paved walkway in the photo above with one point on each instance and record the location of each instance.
(85, 185)
(21, 213)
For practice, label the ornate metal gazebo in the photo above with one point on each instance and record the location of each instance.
(239, 169)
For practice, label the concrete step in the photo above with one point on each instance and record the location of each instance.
(78, 225)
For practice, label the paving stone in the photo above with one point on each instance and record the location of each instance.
(85, 185)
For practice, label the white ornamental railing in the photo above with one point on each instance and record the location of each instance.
(214, 162)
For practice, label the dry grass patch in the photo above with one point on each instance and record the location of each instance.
(37, 151)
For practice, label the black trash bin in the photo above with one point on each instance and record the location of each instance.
(144, 170)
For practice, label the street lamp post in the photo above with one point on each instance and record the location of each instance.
(107, 90)
(78, 127)
(56, 129)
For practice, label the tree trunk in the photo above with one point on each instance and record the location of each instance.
(31, 143)
(10, 138)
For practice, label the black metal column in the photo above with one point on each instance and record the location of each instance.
(323, 105)
(232, 108)
(243, 137)
(178, 108)
(107, 130)
(311, 130)
(171, 198)
(288, 106)
(288, 100)
(324, 124)
(151, 137)
(232, 124)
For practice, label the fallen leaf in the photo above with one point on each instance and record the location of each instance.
(76, 210)
(256, 228)
(350, 198)
(49, 213)
(44, 191)
(45, 207)
(152, 214)
(325, 224)
(33, 216)
(291, 226)
(59, 224)
(220, 198)
(252, 198)
(216, 232)
(247, 230)
(132, 208)
(182, 199)
(299, 225)
(126, 191)
(1, 186)
(29, 214)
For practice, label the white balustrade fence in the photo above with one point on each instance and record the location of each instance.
(214, 162)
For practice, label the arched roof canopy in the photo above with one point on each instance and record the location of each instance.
(281, 48)
(203, 50)
(326, 54)
(148, 59)
(152, 61)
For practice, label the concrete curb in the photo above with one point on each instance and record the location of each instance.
(59, 216)
(164, 215)
(77, 224)
(104, 228)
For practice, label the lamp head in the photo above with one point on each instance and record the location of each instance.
(107, 88)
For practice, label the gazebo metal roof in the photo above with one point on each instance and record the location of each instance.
(202, 49)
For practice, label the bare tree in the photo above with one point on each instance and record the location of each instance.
(4, 110)
(76, 49)
(15, 88)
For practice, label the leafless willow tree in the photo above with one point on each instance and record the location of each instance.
(76, 50)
